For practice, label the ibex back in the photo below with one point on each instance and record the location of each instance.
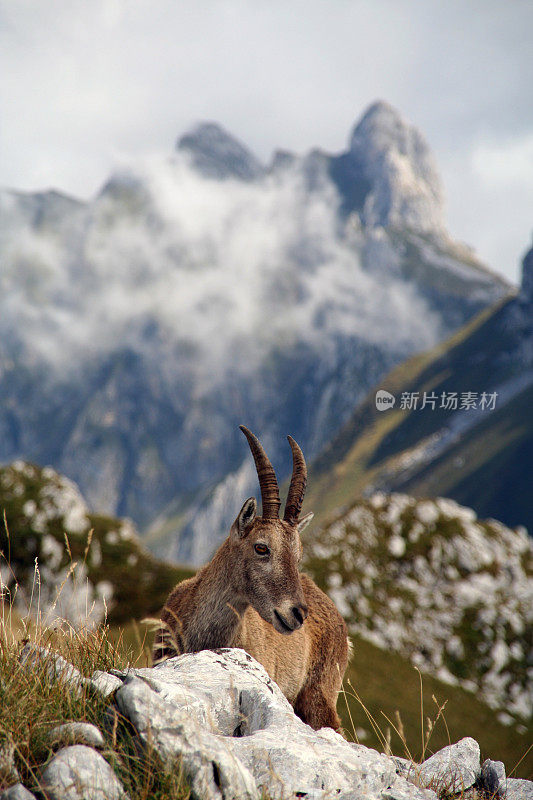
(251, 595)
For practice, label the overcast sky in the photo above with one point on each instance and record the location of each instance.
(89, 86)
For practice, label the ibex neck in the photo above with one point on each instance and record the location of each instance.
(219, 609)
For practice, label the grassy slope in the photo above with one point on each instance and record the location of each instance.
(370, 444)
(493, 456)
(31, 706)
(387, 683)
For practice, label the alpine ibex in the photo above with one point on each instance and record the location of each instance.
(251, 595)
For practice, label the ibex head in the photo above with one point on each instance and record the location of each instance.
(267, 548)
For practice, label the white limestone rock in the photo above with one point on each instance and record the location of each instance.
(405, 767)
(406, 791)
(456, 767)
(8, 769)
(17, 792)
(517, 789)
(76, 733)
(80, 773)
(57, 668)
(104, 683)
(238, 736)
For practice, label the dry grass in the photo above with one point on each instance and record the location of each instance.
(445, 788)
(31, 704)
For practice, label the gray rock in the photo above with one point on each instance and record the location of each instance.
(104, 683)
(455, 767)
(517, 789)
(216, 154)
(8, 770)
(405, 791)
(404, 767)
(493, 777)
(56, 668)
(80, 773)
(76, 733)
(238, 736)
(17, 792)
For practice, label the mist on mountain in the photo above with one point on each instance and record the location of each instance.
(202, 289)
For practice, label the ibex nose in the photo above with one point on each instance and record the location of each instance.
(300, 613)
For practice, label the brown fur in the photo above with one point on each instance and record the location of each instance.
(237, 599)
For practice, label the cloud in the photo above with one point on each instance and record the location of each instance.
(215, 274)
(505, 164)
(86, 85)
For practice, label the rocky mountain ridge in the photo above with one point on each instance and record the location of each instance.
(387, 174)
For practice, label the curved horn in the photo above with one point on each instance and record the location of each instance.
(295, 497)
(267, 477)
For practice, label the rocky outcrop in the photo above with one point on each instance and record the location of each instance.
(88, 566)
(75, 733)
(237, 738)
(237, 735)
(17, 792)
(447, 575)
(56, 668)
(405, 186)
(455, 767)
(218, 155)
(80, 773)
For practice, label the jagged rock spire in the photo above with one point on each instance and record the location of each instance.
(395, 158)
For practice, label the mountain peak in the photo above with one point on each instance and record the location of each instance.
(396, 160)
(217, 154)
(382, 112)
(382, 126)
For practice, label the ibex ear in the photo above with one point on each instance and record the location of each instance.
(245, 516)
(304, 522)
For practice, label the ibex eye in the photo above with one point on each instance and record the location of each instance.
(261, 549)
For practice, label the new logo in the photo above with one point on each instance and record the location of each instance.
(384, 400)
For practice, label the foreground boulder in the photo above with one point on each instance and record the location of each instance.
(454, 768)
(80, 773)
(238, 737)
(17, 792)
